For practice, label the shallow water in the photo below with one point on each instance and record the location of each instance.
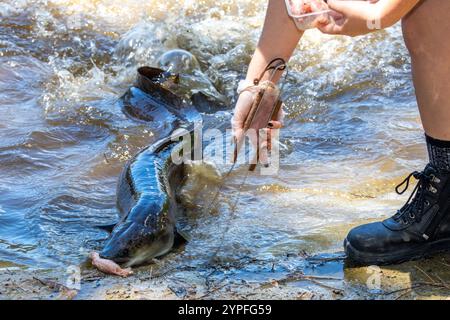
(352, 129)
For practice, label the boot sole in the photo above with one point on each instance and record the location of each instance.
(395, 257)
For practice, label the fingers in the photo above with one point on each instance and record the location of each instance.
(336, 17)
(321, 21)
(335, 24)
(239, 136)
(281, 115)
(237, 142)
(241, 110)
(331, 28)
(267, 146)
(264, 152)
(269, 140)
(275, 124)
(261, 143)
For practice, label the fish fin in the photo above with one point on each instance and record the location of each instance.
(206, 103)
(181, 237)
(107, 227)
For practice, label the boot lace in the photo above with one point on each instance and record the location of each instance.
(413, 209)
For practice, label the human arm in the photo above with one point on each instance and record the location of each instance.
(279, 38)
(355, 17)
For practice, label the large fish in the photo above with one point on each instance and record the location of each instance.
(146, 199)
(148, 185)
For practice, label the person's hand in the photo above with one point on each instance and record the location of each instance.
(351, 18)
(247, 94)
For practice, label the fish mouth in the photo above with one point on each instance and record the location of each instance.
(104, 254)
(140, 255)
(147, 254)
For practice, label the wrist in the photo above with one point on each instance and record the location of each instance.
(244, 85)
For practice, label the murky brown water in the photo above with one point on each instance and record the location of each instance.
(352, 127)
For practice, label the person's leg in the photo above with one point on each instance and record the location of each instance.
(426, 31)
(422, 225)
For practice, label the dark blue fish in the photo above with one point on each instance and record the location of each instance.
(147, 188)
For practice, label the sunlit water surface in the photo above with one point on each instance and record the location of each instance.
(352, 129)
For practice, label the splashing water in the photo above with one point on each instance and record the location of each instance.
(352, 128)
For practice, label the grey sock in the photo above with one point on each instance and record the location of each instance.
(439, 153)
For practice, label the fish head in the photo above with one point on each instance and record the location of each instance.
(133, 243)
(179, 61)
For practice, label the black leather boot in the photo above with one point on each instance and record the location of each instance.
(421, 227)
